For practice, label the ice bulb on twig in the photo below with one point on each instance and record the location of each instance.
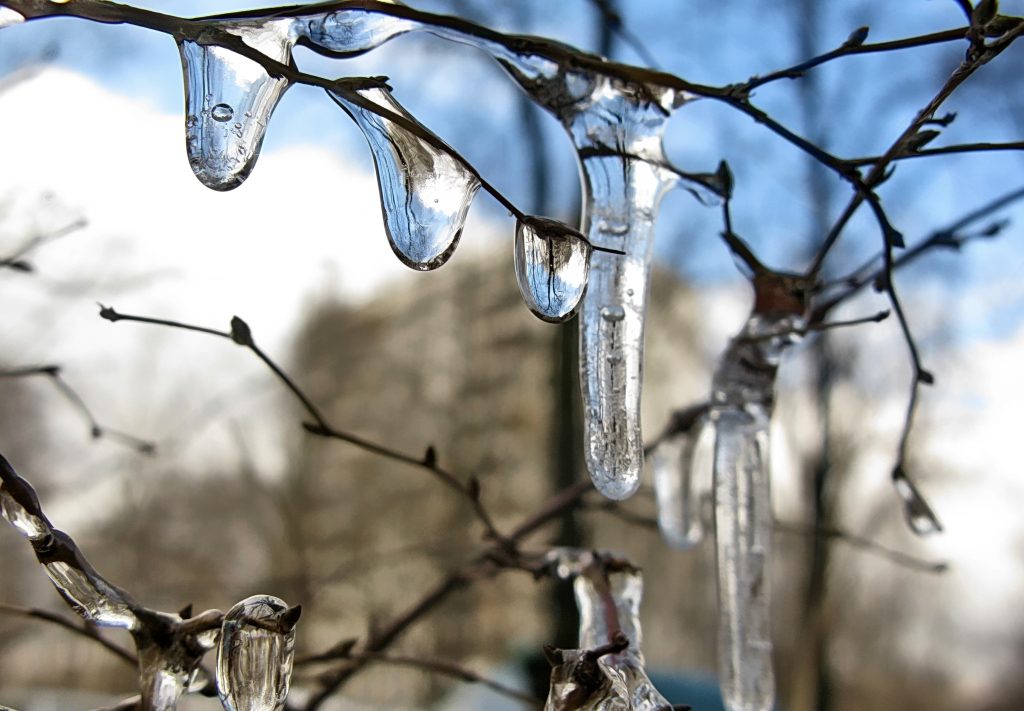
(229, 99)
(425, 191)
(254, 658)
(552, 263)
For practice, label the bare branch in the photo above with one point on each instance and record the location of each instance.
(241, 334)
(96, 430)
(80, 628)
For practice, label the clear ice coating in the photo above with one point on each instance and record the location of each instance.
(919, 515)
(552, 263)
(681, 466)
(92, 597)
(10, 17)
(229, 99)
(425, 191)
(254, 658)
(743, 392)
(616, 127)
(352, 31)
(168, 659)
(85, 590)
(608, 595)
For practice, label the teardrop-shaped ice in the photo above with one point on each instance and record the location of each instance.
(919, 515)
(425, 192)
(552, 262)
(681, 467)
(254, 658)
(743, 529)
(352, 31)
(229, 99)
(10, 17)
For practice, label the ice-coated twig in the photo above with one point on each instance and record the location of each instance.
(96, 430)
(607, 670)
(169, 647)
(241, 334)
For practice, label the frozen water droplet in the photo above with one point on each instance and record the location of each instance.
(425, 192)
(350, 32)
(743, 525)
(919, 515)
(222, 112)
(681, 468)
(219, 84)
(552, 262)
(613, 313)
(254, 658)
(10, 17)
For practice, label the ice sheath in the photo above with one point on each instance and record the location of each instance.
(743, 391)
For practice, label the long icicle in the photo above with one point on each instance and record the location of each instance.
(743, 394)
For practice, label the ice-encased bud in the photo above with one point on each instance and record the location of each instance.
(552, 262)
(229, 99)
(918, 514)
(425, 191)
(254, 657)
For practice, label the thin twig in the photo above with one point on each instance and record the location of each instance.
(944, 150)
(494, 560)
(96, 429)
(241, 334)
(901, 559)
(79, 628)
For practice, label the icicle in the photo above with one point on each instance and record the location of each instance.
(681, 467)
(743, 392)
(229, 99)
(425, 192)
(608, 594)
(254, 659)
(10, 17)
(616, 127)
(920, 517)
(552, 263)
